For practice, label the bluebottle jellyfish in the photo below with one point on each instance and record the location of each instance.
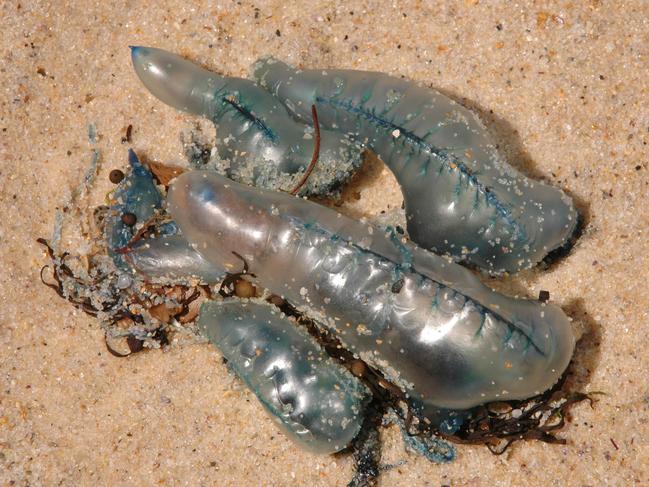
(443, 337)
(262, 144)
(461, 196)
(314, 399)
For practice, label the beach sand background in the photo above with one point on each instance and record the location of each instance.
(564, 86)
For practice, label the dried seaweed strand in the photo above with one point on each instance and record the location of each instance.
(316, 152)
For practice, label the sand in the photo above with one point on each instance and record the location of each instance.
(564, 88)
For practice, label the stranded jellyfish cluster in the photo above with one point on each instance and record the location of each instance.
(336, 324)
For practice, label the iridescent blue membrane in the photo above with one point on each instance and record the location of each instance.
(137, 195)
(167, 258)
(461, 196)
(428, 324)
(315, 401)
(261, 143)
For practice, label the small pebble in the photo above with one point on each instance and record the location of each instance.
(244, 289)
(358, 368)
(124, 281)
(116, 176)
(499, 407)
(134, 344)
(129, 219)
